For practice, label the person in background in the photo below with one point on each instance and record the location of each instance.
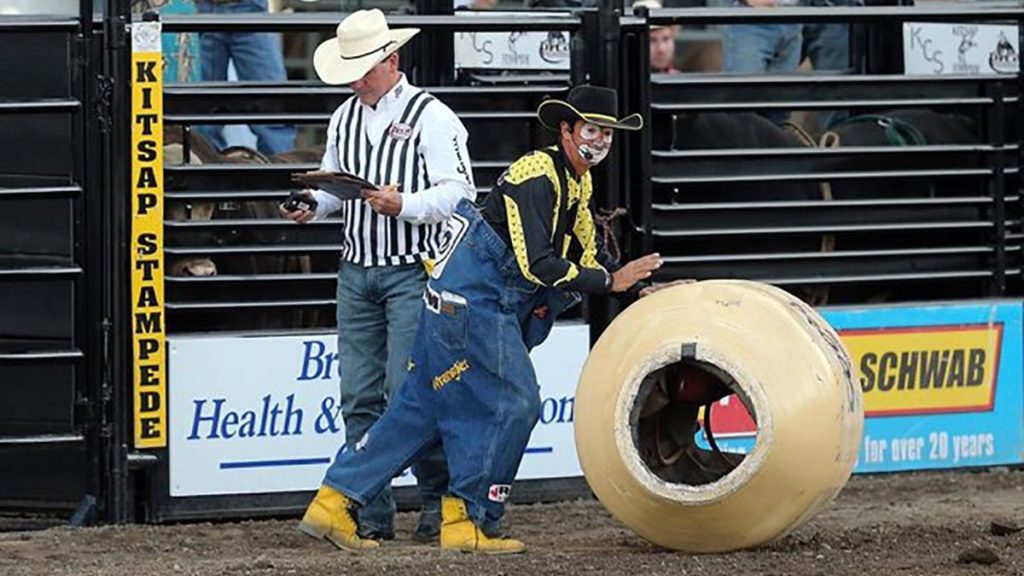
(256, 57)
(663, 42)
(476, 4)
(181, 51)
(827, 46)
(763, 48)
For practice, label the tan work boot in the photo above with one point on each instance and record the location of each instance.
(329, 516)
(458, 532)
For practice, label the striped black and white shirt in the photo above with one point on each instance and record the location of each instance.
(408, 138)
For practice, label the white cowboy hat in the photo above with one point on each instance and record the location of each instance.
(363, 41)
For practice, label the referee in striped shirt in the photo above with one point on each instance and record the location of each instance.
(414, 148)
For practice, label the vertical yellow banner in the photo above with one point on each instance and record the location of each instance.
(149, 374)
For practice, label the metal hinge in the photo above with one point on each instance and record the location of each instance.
(106, 390)
(120, 33)
(104, 102)
(80, 51)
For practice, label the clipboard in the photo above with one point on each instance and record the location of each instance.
(343, 185)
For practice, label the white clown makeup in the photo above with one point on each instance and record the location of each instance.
(593, 142)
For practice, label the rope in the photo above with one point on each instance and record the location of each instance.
(604, 219)
(801, 134)
(897, 132)
(818, 296)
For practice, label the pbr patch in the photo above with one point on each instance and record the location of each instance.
(400, 131)
(499, 492)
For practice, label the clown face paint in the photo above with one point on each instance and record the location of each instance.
(593, 142)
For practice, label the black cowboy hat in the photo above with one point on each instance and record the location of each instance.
(593, 104)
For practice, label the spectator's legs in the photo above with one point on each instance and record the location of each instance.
(828, 47)
(761, 48)
(749, 48)
(214, 66)
(257, 57)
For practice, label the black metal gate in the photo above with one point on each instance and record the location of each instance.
(51, 253)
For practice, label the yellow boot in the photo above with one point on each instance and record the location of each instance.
(458, 532)
(329, 516)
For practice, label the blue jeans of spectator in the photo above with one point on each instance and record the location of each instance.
(827, 45)
(471, 384)
(760, 49)
(378, 311)
(257, 57)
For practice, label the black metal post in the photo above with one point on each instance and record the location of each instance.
(641, 178)
(1019, 135)
(605, 71)
(436, 53)
(883, 41)
(997, 188)
(583, 58)
(116, 208)
(88, 251)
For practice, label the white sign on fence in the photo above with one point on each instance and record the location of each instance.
(515, 50)
(931, 49)
(253, 415)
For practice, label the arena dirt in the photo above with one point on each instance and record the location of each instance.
(894, 524)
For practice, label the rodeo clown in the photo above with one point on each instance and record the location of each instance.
(503, 276)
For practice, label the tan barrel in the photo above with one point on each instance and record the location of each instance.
(789, 368)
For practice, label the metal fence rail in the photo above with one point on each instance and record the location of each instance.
(914, 221)
(255, 249)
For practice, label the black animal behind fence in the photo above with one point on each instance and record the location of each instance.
(241, 249)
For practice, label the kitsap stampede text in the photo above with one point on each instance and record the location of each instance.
(283, 413)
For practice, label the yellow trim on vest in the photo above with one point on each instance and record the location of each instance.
(584, 226)
(515, 232)
(572, 273)
(532, 166)
(585, 233)
(574, 191)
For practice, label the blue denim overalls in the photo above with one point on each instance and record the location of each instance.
(471, 384)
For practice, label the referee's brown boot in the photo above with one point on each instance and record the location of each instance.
(329, 517)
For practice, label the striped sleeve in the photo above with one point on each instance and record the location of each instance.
(328, 203)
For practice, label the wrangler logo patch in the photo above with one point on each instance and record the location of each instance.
(453, 373)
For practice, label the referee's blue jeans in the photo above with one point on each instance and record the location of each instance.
(470, 386)
(378, 310)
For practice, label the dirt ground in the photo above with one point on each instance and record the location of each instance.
(892, 524)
